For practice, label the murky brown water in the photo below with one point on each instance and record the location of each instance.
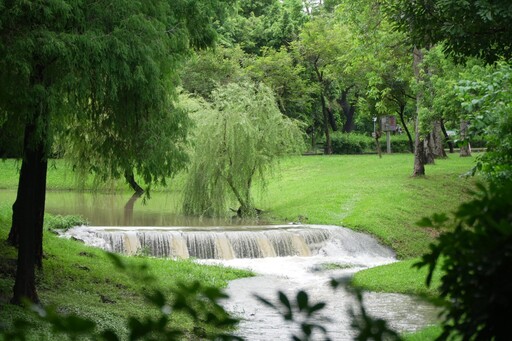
(121, 209)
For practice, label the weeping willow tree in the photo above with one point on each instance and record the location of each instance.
(238, 139)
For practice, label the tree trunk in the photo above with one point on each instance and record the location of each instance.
(130, 179)
(328, 143)
(419, 153)
(29, 210)
(402, 119)
(465, 147)
(446, 137)
(332, 119)
(348, 111)
(428, 150)
(438, 140)
(377, 144)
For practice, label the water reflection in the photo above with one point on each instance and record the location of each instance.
(120, 209)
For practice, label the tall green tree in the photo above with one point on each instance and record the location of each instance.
(112, 64)
(238, 140)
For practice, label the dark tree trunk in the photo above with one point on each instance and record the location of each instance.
(325, 114)
(401, 113)
(377, 143)
(14, 234)
(29, 210)
(446, 137)
(332, 119)
(419, 155)
(419, 152)
(348, 111)
(130, 179)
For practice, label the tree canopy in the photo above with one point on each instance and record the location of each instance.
(479, 28)
(110, 64)
(238, 139)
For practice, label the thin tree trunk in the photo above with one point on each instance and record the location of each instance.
(402, 120)
(377, 144)
(130, 179)
(465, 147)
(325, 114)
(446, 137)
(328, 142)
(419, 153)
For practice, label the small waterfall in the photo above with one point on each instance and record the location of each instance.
(231, 243)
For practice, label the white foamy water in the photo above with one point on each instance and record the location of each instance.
(305, 255)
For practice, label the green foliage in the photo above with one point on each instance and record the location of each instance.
(487, 98)
(279, 71)
(477, 265)
(238, 140)
(352, 144)
(59, 222)
(483, 32)
(264, 24)
(209, 69)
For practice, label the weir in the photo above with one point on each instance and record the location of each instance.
(231, 242)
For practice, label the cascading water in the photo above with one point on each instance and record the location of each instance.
(225, 243)
(285, 257)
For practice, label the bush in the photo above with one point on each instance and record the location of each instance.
(59, 222)
(399, 144)
(343, 143)
(477, 266)
(354, 143)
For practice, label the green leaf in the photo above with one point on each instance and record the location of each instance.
(302, 300)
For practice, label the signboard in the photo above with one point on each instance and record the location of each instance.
(388, 123)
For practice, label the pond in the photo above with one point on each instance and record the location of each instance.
(120, 209)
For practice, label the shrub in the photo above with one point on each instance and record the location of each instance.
(354, 143)
(477, 266)
(59, 222)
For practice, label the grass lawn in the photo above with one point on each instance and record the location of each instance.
(372, 195)
(362, 192)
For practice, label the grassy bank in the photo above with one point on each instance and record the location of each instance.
(83, 280)
(369, 194)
